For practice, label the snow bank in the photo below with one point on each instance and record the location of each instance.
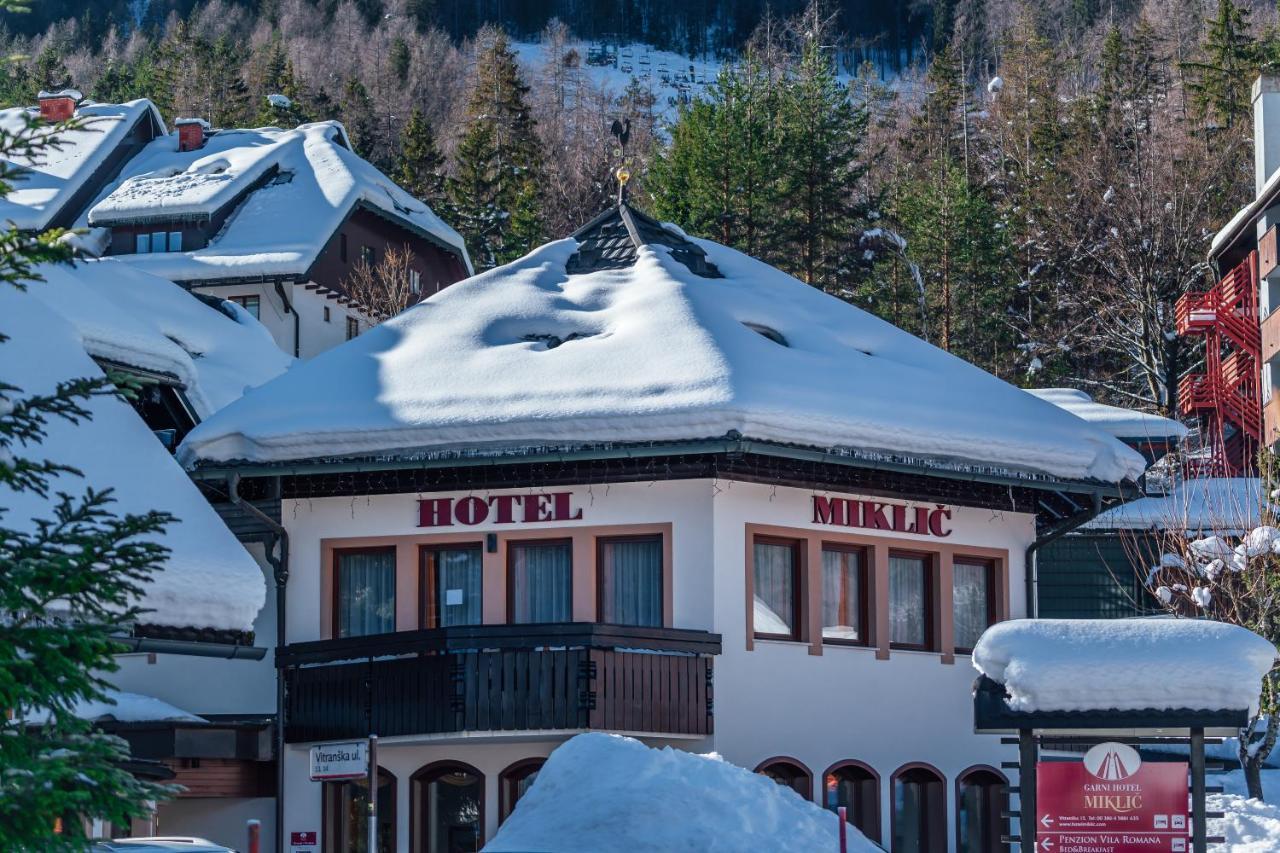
(1125, 424)
(655, 353)
(1222, 504)
(601, 793)
(1248, 826)
(134, 318)
(307, 181)
(208, 580)
(1124, 664)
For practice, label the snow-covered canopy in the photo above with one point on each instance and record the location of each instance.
(209, 580)
(1124, 424)
(528, 354)
(1125, 664)
(58, 174)
(131, 317)
(602, 793)
(120, 706)
(1222, 504)
(301, 185)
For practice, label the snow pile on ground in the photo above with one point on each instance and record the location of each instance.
(123, 707)
(137, 319)
(1249, 826)
(1124, 664)
(652, 353)
(304, 182)
(208, 580)
(1127, 424)
(1221, 504)
(50, 180)
(601, 793)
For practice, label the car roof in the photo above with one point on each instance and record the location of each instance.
(158, 844)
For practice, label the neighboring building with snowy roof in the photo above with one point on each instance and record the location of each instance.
(273, 219)
(56, 187)
(1151, 435)
(626, 478)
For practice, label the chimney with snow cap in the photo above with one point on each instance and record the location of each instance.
(59, 105)
(191, 133)
(1266, 128)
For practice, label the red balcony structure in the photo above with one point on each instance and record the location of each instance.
(1227, 396)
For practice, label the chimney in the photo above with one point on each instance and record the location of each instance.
(191, 133)
(1266, 129)
(60, 105)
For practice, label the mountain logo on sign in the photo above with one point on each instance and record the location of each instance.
(1112, 762)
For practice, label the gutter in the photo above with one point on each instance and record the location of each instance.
(280, 568)
(191, 648)
(288, 307)
(1029, 561)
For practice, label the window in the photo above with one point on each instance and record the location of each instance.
(342, 247)
(910, 601)
(856, 787)
(364, 592)
(980, 799)
(451, 586)
(415, 281)
(158, 241)
(630, 581)
(919, 810)
(540, 574)
(447, 801)
(516, 781)
(973, 601)
(326, 314)
(776, 577)
(353, 327)
(844, 594)
(143, 245)
(346, 814)
(789, 773)
(252, 304)
(175, 241)
(368, 256)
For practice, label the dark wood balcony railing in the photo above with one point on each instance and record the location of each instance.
(571, 676)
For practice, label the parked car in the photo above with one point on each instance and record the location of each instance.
(160, 844)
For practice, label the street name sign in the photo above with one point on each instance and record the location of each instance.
(1112, 802)
(335, 761)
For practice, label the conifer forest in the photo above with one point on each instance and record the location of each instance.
(1029, 185)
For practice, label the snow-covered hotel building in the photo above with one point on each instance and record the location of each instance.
(275, 220)
(645, 484)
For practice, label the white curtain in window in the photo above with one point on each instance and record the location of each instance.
(841, 597)
(774, 588)
(458, 587)
(542, 582)
(366, 593)
(907, 616)
(632, 578)
(970, 597)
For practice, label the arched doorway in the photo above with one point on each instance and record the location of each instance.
(980, 798)
(919, 820)
(447, 802)
(345, 815)
(790, 773)
(855, 786)
(515, 781)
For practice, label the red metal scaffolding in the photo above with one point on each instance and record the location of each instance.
(1227, 396)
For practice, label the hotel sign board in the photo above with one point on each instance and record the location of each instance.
(331, 762)
(1112, 802)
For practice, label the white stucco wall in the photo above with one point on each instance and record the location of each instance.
(315, 334)
(222, 821)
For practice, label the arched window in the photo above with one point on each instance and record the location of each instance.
(788, 772)
(855, 786)
(981, 795)
(346, 814)
(516, 780)
(919, 823)
(447, 801)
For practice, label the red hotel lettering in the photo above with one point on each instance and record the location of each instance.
(845, 512)
(472, 510)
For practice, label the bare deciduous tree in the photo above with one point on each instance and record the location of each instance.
(384, 289)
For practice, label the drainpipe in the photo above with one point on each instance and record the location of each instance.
(289, 309)
(280, 569)
(1029, 563)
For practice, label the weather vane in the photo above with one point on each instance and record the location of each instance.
(622, 130)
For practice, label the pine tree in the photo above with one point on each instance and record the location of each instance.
(66, 588)
(358, 118)
(421, 169)
(1219, 84)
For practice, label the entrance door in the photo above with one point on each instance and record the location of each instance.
(448, 808)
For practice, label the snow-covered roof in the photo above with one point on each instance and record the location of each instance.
(131, 317)
(120, 706)
(1223, 504)
(301, 185)
(58, 174)
(208, 581)
(1125, 664)
(528, 354)
(1125, 424)
(601, 793)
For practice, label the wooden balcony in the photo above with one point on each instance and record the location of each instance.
(501, 678)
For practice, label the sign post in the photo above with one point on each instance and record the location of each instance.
(373, 794)
(1111, 802)
(338, 762)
